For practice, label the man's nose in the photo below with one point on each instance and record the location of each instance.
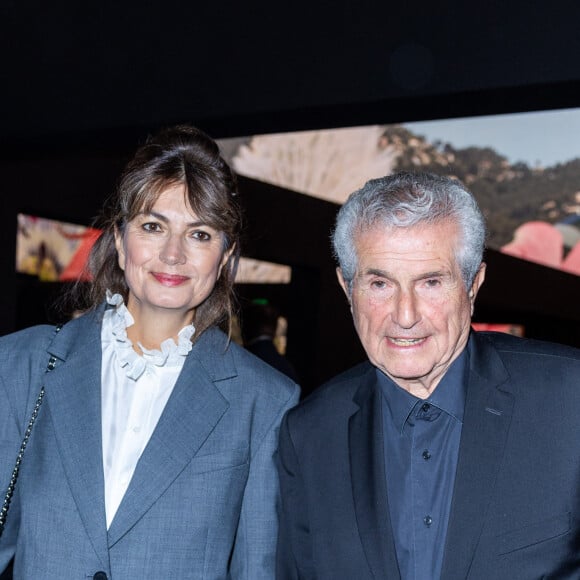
(406, 309)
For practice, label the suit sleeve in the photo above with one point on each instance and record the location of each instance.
(294, 553)
(254, 554)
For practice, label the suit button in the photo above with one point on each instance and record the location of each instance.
(100, 576)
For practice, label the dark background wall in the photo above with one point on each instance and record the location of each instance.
(101, 72)
(83, 84)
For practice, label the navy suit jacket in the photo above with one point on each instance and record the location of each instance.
(515, 511)
(202, 501)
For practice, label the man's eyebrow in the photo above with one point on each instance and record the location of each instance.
(385, 274)
(434, 274)
(375, 272)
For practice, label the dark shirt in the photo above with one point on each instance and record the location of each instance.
(421, 446)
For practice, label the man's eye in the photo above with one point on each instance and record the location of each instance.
(433, 282)
(378, 284)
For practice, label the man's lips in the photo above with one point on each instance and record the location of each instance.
(400, 341)
(169, 279)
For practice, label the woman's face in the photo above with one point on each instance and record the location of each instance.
(171, 258)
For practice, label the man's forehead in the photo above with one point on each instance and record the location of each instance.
(402, 240)
(421, 248)
(448, 223)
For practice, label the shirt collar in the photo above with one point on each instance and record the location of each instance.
(449, 395)
(117, 319)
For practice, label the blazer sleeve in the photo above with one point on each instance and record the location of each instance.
(23, 360)
(9, 444)
(254, 551)
(294, 554)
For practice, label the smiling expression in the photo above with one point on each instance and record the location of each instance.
(410, 306)
(170, 257)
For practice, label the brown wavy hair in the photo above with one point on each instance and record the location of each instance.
(180, 155)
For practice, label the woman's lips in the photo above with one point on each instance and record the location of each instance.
(169, 279)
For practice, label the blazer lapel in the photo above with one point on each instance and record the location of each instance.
(73, 401)
(368, 481)
(192, 412)
(487, 418)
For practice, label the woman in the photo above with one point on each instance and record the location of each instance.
(152, 454)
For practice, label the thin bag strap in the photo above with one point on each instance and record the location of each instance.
(20, 456)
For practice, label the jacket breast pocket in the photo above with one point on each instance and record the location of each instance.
(228, 459)
(533, 534)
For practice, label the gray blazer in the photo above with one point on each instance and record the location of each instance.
(202, 502)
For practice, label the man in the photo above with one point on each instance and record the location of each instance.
(259, 327)
(450, 454)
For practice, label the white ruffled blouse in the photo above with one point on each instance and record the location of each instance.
(134, 392)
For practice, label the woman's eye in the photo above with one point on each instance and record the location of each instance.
(201, 236)
(151, 227)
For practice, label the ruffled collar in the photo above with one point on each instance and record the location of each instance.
(118, 319)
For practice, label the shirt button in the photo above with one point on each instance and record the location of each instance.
(426, 455)
(136, 429)
(425, 407)
(428, 520)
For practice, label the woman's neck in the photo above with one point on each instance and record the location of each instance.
(152, 331)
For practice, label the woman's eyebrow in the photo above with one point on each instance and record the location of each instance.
(165, 219)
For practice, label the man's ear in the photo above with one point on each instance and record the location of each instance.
(477, 283)
(120, 248)
(343, 283)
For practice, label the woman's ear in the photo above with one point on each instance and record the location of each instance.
(120, 248)
(225, 258)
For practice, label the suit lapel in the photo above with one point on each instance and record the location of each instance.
(368, 481)
(487, 418)
(73, 401)
(192, 412)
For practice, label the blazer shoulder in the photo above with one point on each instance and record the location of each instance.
(30, 342)
(261, 375)
(336, 392)
(348, 378)
(530, 368)
(24, 356)
(512, 346)
(238, 373)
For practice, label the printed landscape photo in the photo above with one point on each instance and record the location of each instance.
(532, 208)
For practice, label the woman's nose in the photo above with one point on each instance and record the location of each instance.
(172, 251)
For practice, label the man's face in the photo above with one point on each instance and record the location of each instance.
(410, 306)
